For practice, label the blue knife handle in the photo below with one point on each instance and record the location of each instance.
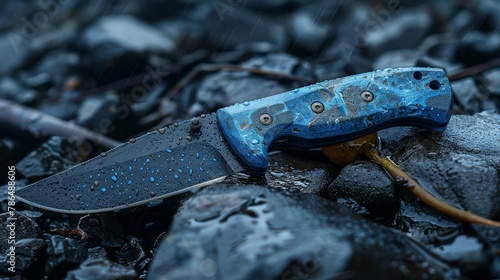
(337, 110)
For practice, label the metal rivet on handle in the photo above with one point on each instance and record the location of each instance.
(195, 125)
(317, 107)
(266, 119)
(367, 96)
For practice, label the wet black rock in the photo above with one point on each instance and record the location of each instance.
(189, 35)
(115, 46)
(459, 166)
(476, 47)
(65, 108)
(491, 236)
(106, 115)
(487, 15)
(89, 10)
(97, 252)
(465, 250)
(130, 253)
(10, 89)
(270, 4)
(311, 26)
(242, 232)
(491, 81)
(29, 253)
(52, 70)
(28, 248)
(308, 173)
(396, 58)
(6, 155)
(468, 95)
(127, 34)
(11, 10)
(24, 228)
(101, 269)
(366, 188)
(55, 155)
(34, 37)
(34, 215)
(330, 70)
(13, 53)
(385, 31)
(228, 26)
(390, 138)
(63, 254)
(105, 229)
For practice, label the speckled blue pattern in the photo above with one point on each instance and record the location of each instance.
(413, 96)
(158, 164)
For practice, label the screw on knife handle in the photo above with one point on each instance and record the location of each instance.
(337, 110)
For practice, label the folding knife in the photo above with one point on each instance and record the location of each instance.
(237, 138)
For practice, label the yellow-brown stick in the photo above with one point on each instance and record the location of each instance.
(370, 151)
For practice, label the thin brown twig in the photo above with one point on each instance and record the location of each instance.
(155, 117)
(398, 174)
(20, 120)
(474, 70)
(230, 67)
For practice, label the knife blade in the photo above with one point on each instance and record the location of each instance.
(204, 150)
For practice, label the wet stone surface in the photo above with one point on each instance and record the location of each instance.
(53, 156)
(364, 187)
(104, 229)
(63, 254)
(29, 257)
(101, 269)
(26, 228)
(309, 173)
(242, 232)
(459, 166)
(24, 234)
(116, 41)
